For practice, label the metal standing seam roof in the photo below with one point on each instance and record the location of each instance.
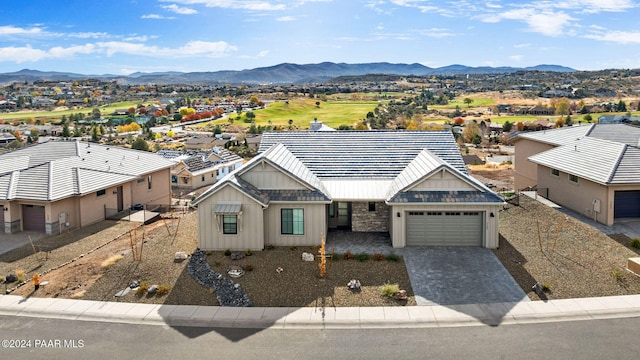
(55, 170)
(558, 136)
(593, 159)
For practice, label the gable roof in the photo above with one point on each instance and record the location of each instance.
(622, 133)
(379, 155)
(601, 161)
(55, 170)
(197, 161)
(357, 165)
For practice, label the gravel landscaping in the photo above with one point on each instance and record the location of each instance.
(576, 261)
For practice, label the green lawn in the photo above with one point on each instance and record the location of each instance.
(303, 111)
(52, 115)
(459, 101)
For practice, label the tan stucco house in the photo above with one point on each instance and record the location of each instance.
(61, 185)
(412, 185)
(593, 170)
(195, 169)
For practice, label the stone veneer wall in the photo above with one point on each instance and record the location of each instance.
(363, 220)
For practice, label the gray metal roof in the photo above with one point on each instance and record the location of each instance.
(623, 133)
(558, 136)
(227, 208)
(601, 161)
(55, 170)
(363, 154)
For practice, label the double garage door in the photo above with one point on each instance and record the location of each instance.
(444, 228)
(626, 204)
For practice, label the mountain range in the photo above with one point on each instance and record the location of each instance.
(285, 73)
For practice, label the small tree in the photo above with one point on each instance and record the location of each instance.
(140, 144)
(322, 265)
(468, 101)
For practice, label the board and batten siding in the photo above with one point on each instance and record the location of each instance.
(398, 226)
(250, 232)
(443, 180)
(265, 176)
(315, 225)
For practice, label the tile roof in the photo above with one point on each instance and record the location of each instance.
(198, 160)
(55, 170)
(601, 161)
(379, 155)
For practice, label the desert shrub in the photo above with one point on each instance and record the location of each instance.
(111, 260)
(363, 257)
(21, 275)
(315, 249)
(270, 247)
(216, 263)
(393, 257)
(247, 267)
(248, 252)
(546, 287)
(336, 256)
(293, 248)
(635, 243)
(388, 290)
(377, 257)
(143, 288)
(348, 255)
(163, 290)
(2, 279)
(209, 253)
(227, 252)
(617, 274)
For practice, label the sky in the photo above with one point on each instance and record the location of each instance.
(125, 36)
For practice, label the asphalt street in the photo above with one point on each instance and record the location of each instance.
(33, 338)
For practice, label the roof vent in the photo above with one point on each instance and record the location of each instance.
(576, 147)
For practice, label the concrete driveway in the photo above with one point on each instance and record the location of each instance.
(448, 275)
(9, 242)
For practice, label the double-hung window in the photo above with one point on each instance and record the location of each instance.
(292, 221)
(230, 224)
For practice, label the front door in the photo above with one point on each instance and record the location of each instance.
(120, 199)
(344, 215)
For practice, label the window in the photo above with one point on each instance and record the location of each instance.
(202, 178)
(292, 221)
(332, 211)
(149, 182)
(573, 178)
(229, 224)
(101, 192)
(555, 172)
(372, 206)
(185, 180)
(174, 179)
(140, 180)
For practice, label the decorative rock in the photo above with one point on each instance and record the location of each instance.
(279, 269)
(400, 295)
(134, 284)
(10, 278)
(235, 271)
(307, 256)
(236, 256)
(538, 289)
(122, 292)
(152, 289)
(354, 284)
(180, 255)
(225, 291)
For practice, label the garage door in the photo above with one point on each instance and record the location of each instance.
(440, 228)
(33, 218)
(626, 204)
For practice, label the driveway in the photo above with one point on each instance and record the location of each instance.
(448, 275)
(9, 242)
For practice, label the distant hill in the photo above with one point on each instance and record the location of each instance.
(285, 73)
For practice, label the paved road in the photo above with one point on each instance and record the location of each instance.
(594, 339)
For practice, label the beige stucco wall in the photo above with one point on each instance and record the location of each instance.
(68, 210)
(250, 223)
(398, 224)
(315, 225)
(524, 170)
(160, 192)
(578, 196)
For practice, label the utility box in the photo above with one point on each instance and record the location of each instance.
(633, 264)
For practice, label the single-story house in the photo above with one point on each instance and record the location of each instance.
(411, 184)
(593, 170)
(195, 169)
(60, 185)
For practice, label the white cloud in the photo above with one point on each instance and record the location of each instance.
(516, 57)
(436, 32)
(592, 6)
(12, 30)
(541, 21)
(29, 54)
(156, 16)
(286, 18)
(90, 35)
(621, 37)
(256, 5)
(493, 6)
(180, 10)
(192, 48)
(521, 45)
(263, 53)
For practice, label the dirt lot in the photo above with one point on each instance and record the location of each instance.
(571, 258)
(298, 285)
(501, 175)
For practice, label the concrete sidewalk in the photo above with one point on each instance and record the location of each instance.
(329, 317)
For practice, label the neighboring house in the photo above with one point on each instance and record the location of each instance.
(61, 185)
(253, 142)
(413, 185)
(195, 169)
(200, 143)
(6, 138)
(593, 170)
